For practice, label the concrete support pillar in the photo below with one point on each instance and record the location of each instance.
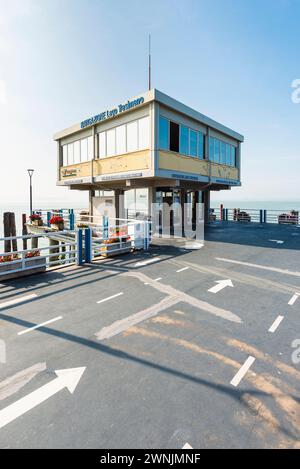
(206, 201)
(151, 199)
(119, 203)
(183, 211)
(91, 196)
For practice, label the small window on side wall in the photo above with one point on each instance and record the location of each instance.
(174, 136)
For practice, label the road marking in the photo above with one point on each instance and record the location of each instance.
(220, 285)
(110, 297)
(258, 266)
(293, 299)
(39, 325)
(181, 270)
(276, 323)
(242, 371)
(187, 446)
(17, 300)
(122, 325)
(157, 279)
(277, 241)
(14, 383)
(149, 261)
(68, 378)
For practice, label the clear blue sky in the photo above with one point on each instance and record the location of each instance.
(64, 60)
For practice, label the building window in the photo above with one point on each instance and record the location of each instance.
(102, 145)
(174, 137)
(184, 140)
(144, 133)
(84, 150)
(70, 153)
(211, 148)
(193, 143)
(228, 154)
(132, 136)
(76, 150)
(111, 142)
(65, 155)
(217, 151)
(223, 153)
(163, 133)
(201, 143)
(233, 156)
(121, 139)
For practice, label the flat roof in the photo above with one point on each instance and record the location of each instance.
(143, 99)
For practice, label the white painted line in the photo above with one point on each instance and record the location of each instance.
(242, 371)
(39, 325)
(157, 279)
(146, 262)
(293, 299)
(276, 323)
(258, 266)
(181, 270)
(110, 297)
(17, 300)
(187, 446)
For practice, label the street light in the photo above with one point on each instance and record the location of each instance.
(30, 172)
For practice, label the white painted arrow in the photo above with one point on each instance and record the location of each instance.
(220, 285)
(277, 241)
(68, 378)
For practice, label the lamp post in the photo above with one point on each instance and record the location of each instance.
(30, 172)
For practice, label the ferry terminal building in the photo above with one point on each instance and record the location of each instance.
(151, 148)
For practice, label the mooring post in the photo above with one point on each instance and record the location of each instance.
(24, 230)
(6, 225)
(13, 231)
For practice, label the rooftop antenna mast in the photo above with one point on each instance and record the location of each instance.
(149, 64)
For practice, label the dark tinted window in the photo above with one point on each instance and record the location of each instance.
(174, 136)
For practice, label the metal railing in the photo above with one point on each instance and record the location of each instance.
(59, 249)
(92, 236)
(248, 215)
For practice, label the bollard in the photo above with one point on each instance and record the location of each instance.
(105, 222)
(71, 219)
(79, 247)
(88, 255)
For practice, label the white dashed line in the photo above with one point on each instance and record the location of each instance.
(17, 300)
(293, 299)
(148, 261)
(110, 297)
(39, 325)
(276, 323)
(181, 270)
(157, 279)
(242, 371)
